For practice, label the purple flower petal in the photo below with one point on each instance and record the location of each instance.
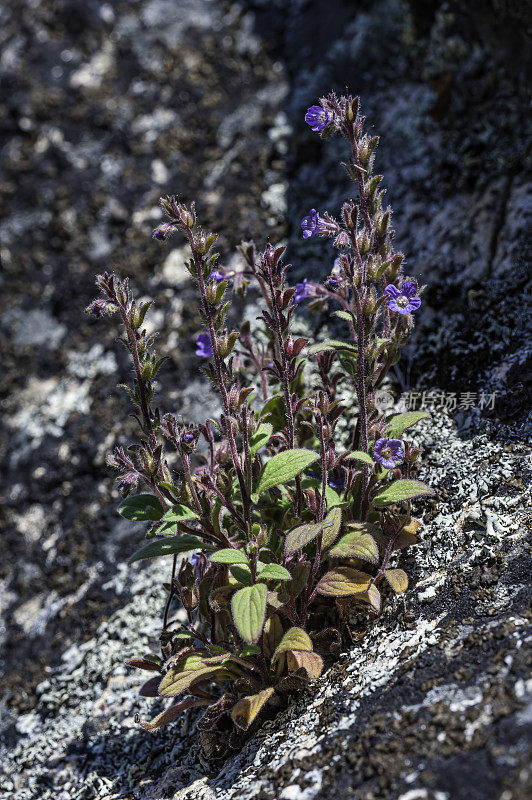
(414, 304)
(392, 291)
(408, 288)
(317, 118)
(204, 346)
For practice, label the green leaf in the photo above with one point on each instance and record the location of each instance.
(249, 611)
(294, 639)
(142, 507)
(261, 437)
(284, 467)
(401, 490)
(358, 455)
(274, 572)
(242, 573)
(343, 581)
(333, 344)
(179, 513)
(249, 650)
(331, 527)
(344, 315)
(167, 547)
(179, 678)
(331, 496)
(229, 556)
(301, 536)
(356, 545)
(299, 580)
(401, 422)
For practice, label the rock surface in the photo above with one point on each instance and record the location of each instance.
(104, 108)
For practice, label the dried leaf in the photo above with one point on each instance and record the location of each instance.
(343, 581)
(327, 641)
(398, 580)
(371, 597)
(246, 710)
(312, 663)
(169, 714)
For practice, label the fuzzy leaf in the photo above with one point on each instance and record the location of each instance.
(168, 714)
(141, 507)
(261, 437)
(401, 490)
(356, 545)
(332, 344)
(343, 581)
(371, 597)
(242, 573)
(358, 455)
(144, 663)
(294, 639)
(182, 543)
(401, 422)
(345, 315)
(331, 527)
(301, 536)
(181, 677)
(273, 633)
(245, 711)
(179, 513)
(249, 611)
(299, 580)
(229, 556)
(312, 663)
(283, 468)
(398, 580)
(274, 572)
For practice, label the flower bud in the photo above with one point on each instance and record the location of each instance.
(226, 343)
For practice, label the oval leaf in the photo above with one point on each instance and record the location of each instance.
(261, 437)
(249, 611)
(358, 455)
(312, 663)
(179, 513)
(229, 556)
(356, 545)
(301, 536)
(294, 639)
(284, 467)
(398, 580)
(141, 507)
(333, 344)
(274, 572)
(299, 580)
(242, 573)
(343, 581)
(167, 547)
(245, 711)
(331, 527)
(401, 422)
(372, 598)
(401, 490)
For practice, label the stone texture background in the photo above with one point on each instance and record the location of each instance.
(103, 108)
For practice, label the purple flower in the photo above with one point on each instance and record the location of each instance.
(337, 482)
(388, 452)
(317, 118)
(217, 276)
(303, 290)
(188, 437)
(97, 308)
(162, 232)
(332, 283)
(403, 300)
(311, 224)
(204, 346)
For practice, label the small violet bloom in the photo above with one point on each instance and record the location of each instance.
(388, 452)
(217, 276)
(403, 300)
(303, 290)
(311, 224)
(317, 118)
(337, 482)
(204, 346)
(188, 437)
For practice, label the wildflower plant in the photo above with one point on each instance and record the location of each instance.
(275, 526)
